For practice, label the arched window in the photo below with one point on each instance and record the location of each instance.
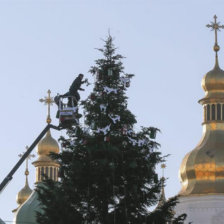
(51, 176)
(208, 112)
(218, 112)
(47, 174)
(213, 112)
(54, 174)
(42, 173)
(39, 175)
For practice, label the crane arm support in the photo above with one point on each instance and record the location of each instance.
(18, 164)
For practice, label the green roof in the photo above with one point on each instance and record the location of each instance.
(27, 212)
(1, 222)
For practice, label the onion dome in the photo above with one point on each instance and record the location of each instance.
(202, 169)
(47, 145)
(213, 83)
(23, 194)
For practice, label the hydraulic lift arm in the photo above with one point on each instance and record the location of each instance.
(18, 164)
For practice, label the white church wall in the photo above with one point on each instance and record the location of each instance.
(208, 209)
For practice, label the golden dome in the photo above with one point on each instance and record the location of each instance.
(202, 170)
(213, 82)
(47, 145)
(24, 193)
(45, 165)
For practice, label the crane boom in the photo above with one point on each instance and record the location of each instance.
(21, 160)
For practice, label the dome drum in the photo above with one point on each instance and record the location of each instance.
(213, 112)
(50, 172)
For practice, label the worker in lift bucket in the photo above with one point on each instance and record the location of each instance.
(73, 90)
(72, 94)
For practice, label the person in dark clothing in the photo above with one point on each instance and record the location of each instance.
(72, 95)
(73, 90)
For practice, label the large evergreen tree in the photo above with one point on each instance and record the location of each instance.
(107, 170)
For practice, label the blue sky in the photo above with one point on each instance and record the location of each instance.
(45, 44)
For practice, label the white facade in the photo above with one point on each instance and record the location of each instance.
(206, 209)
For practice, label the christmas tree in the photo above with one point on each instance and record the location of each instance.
(108, 170)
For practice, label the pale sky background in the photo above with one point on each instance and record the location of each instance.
(45, 44)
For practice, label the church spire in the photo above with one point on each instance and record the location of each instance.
(25, 192)
(215, 26)
(162, 198)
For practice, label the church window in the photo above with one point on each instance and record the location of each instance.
(208, 112)
(47, 174)
(51, 176)
(213, 111)
(218, 112)
(42, 173)
(38, 173)
(54, 174)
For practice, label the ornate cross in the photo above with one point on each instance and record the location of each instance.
(28, 157)
(215, 26)
(49, 102)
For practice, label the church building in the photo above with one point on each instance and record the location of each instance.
(201, 173)
(202, 169)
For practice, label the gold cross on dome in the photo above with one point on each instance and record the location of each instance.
(215, 26)
(49, 102)
(27, 158)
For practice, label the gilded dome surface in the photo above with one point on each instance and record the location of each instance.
(202, 169)
(47, 145)
(23, 194)
(213, 82)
